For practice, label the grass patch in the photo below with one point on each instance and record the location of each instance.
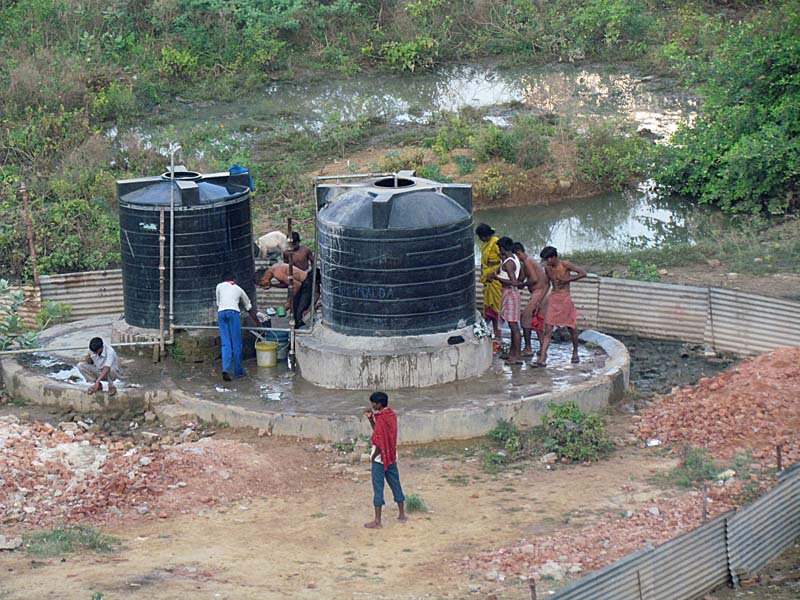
(415, 503)
(696, 467)
(69, 539)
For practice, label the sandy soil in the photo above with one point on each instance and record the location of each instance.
(302, 537)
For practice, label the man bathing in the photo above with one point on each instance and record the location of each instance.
(101, 363)
(301, 291)
(561, 311)
(535, 279)
(302, 256)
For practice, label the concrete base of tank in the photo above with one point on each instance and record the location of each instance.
(179, 392)
(347, 362)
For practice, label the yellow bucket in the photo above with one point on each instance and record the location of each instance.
(266, 354)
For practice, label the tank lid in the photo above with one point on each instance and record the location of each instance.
(190, 189)
(396, 209)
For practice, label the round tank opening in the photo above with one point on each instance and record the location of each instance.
(184, 175)
(394, 182)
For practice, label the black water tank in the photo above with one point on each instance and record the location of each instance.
(397, 257)
(213, 234)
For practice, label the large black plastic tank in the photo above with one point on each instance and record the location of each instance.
(213, 234)
(397, 256)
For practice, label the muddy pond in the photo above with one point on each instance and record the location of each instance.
(609, 222)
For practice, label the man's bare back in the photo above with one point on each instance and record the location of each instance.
(280, 272)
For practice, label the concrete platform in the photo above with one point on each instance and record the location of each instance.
(282, 403)
(349, 362)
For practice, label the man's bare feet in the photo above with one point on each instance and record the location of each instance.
(538, 365)
(112, 391)
(92, 389)
(373, 525)
(575, 359)
(402, 518)
(527, 353)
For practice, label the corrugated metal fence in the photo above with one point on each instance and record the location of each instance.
(723, 320)
(730, 547)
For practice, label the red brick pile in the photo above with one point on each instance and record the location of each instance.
(54, 476)
(50, 475)
(751, 407)
(580, 551)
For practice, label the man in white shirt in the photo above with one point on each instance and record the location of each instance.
(101, 363)
(229, 295)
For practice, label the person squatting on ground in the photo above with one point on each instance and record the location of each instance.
(384, 457)
(561, 311)
(492, 290)
(229, 295)
(301, 290)
(100, 363)
(509, 277)
(534, 278)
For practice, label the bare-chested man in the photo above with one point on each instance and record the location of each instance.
(302, 256)
(561, 311)
(301, 292)
(535, 279)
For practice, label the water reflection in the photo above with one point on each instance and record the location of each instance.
(401, 99)
(614, 221)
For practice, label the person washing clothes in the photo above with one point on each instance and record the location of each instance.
(229, 295)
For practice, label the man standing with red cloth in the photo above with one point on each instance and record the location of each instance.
(384, 456)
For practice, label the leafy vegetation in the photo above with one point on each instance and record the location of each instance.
(66, 89)
(12, 329)
(642, 271)
(574, 434)
(415, 503)
(742, 154)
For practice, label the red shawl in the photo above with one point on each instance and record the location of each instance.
(384, 437)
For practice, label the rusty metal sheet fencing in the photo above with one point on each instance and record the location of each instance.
(656, 310)
(31, 304)
(750, 324)
(90, 294)
(691, 565)
(725, 320)
(732, 546)
(761, 531)
(629, 578)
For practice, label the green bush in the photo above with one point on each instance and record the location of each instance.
(12, 330)
(492, 142)
(610, 154)
(507, 434)
(493, 185)
(116, 102)
(530, 142)
(415, 503)
(742, 153)
(434, 173)
(574, 434)
(642, 271)
(67, 539)
(464, 164)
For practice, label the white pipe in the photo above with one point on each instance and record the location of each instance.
(172, 150)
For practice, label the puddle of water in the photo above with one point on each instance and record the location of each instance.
(277, 388)
(614, 221)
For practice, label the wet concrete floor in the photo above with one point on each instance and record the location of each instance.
(282, 390)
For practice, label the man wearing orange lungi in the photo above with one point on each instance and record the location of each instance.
(561, 311)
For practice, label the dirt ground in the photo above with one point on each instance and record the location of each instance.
(302, 536)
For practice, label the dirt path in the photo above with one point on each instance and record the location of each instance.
(304, 537)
